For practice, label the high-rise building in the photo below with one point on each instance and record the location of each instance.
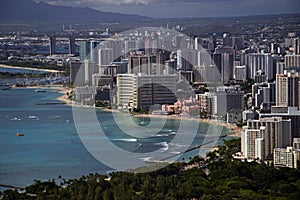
(170, 67)
(86, 95)
(161, 58)
(204, 58)
(105, 57)
(228, 99)
(227, 67)
(240, 73)
(263, 95)
(180, 42)
(126, 49)
(292, 61)
(296, 143)
(101, 80)
(250, 146)
(89, 70)
(260, 77)
(143, 91)
(291, 113)
(259, 61)
(84, 50)
(94, 55)
(198, 42)
(116, 48)
(199, 74)
(287, 89)
(126, 93)
(224, 63)
(293, 44)
(231, 41)
(275, 132)
(123, 66)
(81, 73)
(74, 70)
(299, 95)
(286, 157)
(52, 45)
(186, 59)
(72, 45)
(141, 64)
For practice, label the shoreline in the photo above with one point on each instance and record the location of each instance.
(59, 88)
(28, 68)
(64, 98)
(233, 130)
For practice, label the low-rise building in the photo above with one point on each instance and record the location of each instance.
(286, 157)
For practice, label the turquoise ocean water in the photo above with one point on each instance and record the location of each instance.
(51, 145)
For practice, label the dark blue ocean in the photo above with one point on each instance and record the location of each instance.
(52, 147)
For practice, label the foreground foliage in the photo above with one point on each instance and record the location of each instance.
(217, 177)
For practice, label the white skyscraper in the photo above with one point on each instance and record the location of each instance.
(240, 73)
(105, 56)
(275, 132)
(143, 91)
(260, 61)
(287, 89)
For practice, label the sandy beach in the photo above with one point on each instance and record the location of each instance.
(234, 130)
(64, 97)
(28, 68)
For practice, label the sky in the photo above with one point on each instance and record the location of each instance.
(187, 8)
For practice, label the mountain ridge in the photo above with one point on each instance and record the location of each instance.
(29, 11)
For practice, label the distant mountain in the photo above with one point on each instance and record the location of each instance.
(29, 11)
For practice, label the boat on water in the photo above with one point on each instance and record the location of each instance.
(15, 119)
(32, 117)
(20, 134)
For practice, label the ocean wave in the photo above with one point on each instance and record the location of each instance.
(15, 119)
(164, 144)
(146, 159)
(53, 117)
(32, 117)
(175, 152)
(126, 140)
(179, 145)
(161, 135)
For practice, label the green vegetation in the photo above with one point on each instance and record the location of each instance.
(105, 104)
(217, 177)
(38, 65)
(139, 111)
(21, 75)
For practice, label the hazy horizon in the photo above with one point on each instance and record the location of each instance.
(186, 9)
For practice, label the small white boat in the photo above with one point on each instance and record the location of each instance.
(32, 117)
(15, 119)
